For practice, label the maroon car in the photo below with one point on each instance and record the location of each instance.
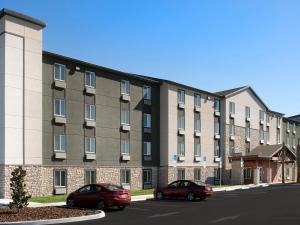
(184, 189)
(100, 195)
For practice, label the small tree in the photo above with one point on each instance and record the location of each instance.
(17, 186)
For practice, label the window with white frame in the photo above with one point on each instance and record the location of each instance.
(261, 132)
(90, 176)
(217, 126)
(268, 118)
(247, 173)
(125, 117)
(197, 123)
(231, 127)
(261, 115)
(197, 99)
(197, 174)
(59, 107)
(247, 112)
(147, 176)
(59, 72)
(217, 105)
(231, 107)
(60, 143)
(278, 123)
(90, 112)
(90, 79)
(181, 124)
(248, 132)
(197, 147)
(147, 120)
(181, 96)
(125, 147)
(181, 150)
(60, 178)
(294, 127)
(125, 176)
(278, 136)
(268, 134)
(287, 126)
(181, 174)
(90, 144)
(217, 149)
(125, 87)
(147, 148)
(147, 93)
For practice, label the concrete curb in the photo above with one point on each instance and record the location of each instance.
(99, 215)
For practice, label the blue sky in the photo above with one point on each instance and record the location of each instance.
(212, 45)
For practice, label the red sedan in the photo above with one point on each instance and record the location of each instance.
(184, 189)
(101, 195)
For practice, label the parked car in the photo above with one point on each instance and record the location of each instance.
(184, 189)
(101, 195)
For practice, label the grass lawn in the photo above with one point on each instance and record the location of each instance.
(62, 198)
(49, 199)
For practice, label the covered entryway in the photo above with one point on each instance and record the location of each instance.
(264, 164)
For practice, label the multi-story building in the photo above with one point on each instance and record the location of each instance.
(70, 123)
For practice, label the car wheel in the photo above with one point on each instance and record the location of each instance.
(191, 196)
(100, 205)
(159, 195)
(122, 207)
(70, 203)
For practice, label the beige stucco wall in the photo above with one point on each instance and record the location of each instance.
(21, 58)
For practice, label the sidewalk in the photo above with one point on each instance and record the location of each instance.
(5, 202)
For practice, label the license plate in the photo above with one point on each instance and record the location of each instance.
(123, 196)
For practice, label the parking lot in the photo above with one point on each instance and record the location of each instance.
(270, 205)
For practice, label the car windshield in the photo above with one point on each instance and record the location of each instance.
(113, 187)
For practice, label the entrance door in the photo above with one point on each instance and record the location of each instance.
(260, 174)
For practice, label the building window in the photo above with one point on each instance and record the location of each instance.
(217, 105)
(261, 132)
(181, 96)
(181, 174)
(125, 147)
(125, 117)
(90, 144)
(90, 112)
(231, 127)
(231, 147)
(197, 100)
(247, 112)
(287, 126)
(147, 93)
(197, 174)
(197, 122)
(60, 143)
(147, 148)
(60, 178)
(294, 141)
(261, 115)
(181, 151)
(147, 120)
(125, 176)
(278, 136)
(217, 148)
(248, 131)
(278, 121)
(147, 178)
(217, 175)
(125, 87)
(59, 72)
(288, 139)
(248, 147)
(217, 126)
(90, 176)
(60, 107)
(231, 107)
(247, 173)
(90, 79)
(181, 124)
(268, 134)
(294, 127)
(197, 151)
(268, 118)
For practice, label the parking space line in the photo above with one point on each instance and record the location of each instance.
(163, 215)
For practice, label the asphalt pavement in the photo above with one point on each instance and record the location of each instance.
(270, 205)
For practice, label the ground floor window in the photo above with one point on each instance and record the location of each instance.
(90, 176)
(125, 176)
(217, 175)
(147, 178)
(60, 178)
(287, 173)
(197, 174)
(181, 174)
(247, 173)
